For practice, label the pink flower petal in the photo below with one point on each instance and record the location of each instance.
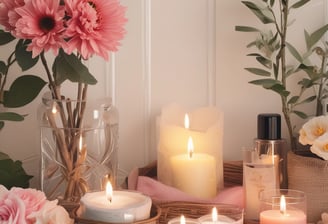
(95, 27)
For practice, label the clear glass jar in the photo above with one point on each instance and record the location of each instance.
(79, 147)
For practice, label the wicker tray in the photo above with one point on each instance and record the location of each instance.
(155, 213)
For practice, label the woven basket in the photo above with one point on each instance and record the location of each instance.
(155, 213)
(170, 210)
(311, 176)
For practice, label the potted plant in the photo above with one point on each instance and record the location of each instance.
(272, 49)
(274, 54)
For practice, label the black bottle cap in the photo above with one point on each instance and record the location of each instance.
(269, 126)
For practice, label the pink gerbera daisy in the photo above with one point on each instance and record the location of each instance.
(42, 22)
(95, 26)
(8, 16)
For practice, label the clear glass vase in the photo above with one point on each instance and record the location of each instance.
(79, 147)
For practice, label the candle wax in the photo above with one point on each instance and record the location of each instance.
(222, 219)
(195, 176)
(276, 217)
(125, 206)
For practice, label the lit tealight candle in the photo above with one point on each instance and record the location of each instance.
(216, 218)
(282, 216)
(115, 206)
(182, 220)
(195, 173)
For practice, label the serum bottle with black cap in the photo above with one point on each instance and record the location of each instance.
(271, 147)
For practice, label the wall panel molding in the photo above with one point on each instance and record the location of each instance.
(211, 48)
(147, 75)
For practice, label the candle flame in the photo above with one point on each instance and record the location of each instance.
(54, 109)
(214, 214)
(186, 121)
(95, 114)
(109, 192)
(283, 205)
(80, 143)
(190, 147)
(182, 219)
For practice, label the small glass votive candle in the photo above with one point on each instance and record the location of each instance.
(224, 215)
(183, 220)
(282, 206)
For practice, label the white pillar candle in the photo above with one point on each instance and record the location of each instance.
(206, 130)
(120, 207)
(194, 173)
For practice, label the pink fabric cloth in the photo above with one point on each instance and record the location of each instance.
(161, 192)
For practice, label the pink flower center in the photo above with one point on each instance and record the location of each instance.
(92, 4)
(47, 23)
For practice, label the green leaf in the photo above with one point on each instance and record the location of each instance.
(310, 71)
(246, 29)
(3, 156)
(10, 116)
(5, 37)
(23, 91)
(280, 89)
(273, 39)
(258, 12)
(253, 43)
(24, 57)
(300, 114)
(313, 38)
(299, 4)
(3, 68)
(262, 60)
(71, 68)
(308, 100)
(258, 71)
(271, 84)
(306, 83)
(266, 83)
(2, 124)
(12, 173)
(293, 100)
(275, 70)
(294, 52)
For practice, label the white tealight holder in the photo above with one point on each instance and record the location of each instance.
(180, 220)
(125, 207)
(228, 214)
(222, 219)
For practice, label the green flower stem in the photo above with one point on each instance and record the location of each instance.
(52, 85)
(10, 62)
